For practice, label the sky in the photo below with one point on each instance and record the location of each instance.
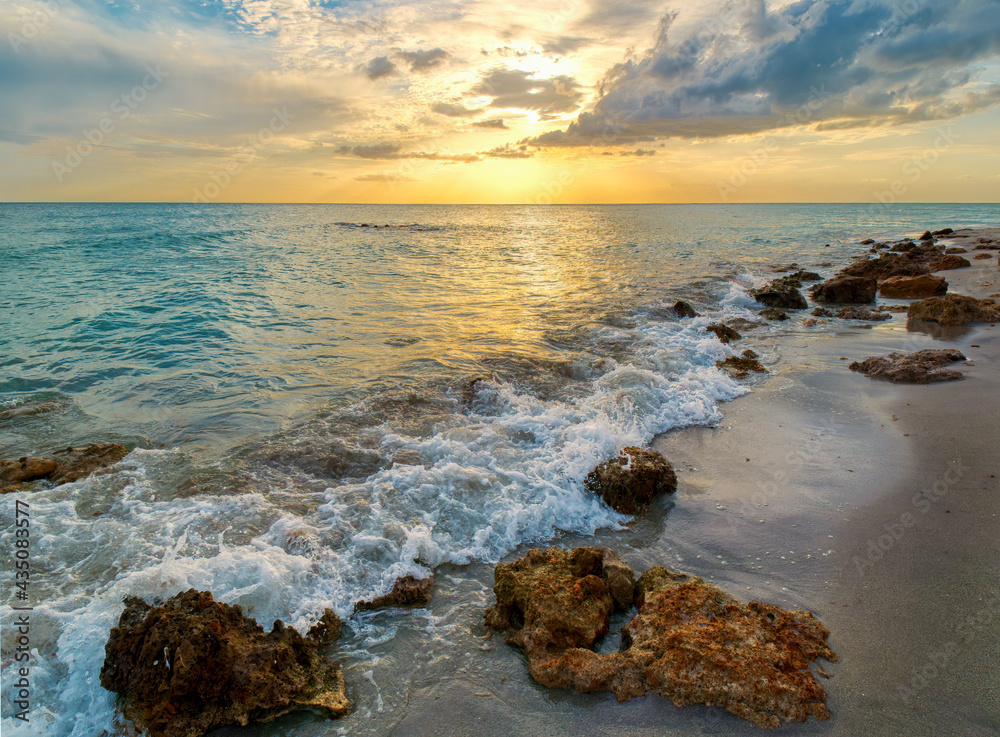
(490, 101)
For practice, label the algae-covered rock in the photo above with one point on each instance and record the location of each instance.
(740, 366)
(193, 664)
(629, 481)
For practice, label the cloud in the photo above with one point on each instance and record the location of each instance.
(378, 67)
(492, 123)
(421, 61)
(508, 152)
(393, 151)
(454, 111)
(384, 178)
(638, 152)
(829, 63)
(513, 88)
(564, 45)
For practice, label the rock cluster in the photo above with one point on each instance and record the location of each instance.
(922, 367)
(193, 664)
(629, 481)
(690, 642)
(71, 464)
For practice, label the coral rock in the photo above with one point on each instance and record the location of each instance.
(194, 664)
(922, 367)
(406, 592)
(629, 481)
(912, 287)
(690, 642)
(954, 309)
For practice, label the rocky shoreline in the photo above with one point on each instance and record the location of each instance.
(629, 484)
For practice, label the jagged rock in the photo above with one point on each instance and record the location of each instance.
(947, 263)
(740, 366)
(850, 289)
(945, 231)
(927, 236)
(922, 367)
(781, 293)
(690, 642)
(954, 309)
(71, 464)
(773, 313)
(193, 664)
(683, 309)
(954, 249)
(862, 313)
(629, 481)
(408, 591)
(912, 287)
(723, 332)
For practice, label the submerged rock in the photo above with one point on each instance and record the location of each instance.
(846, 289)
(740, 366)
(193, 664)
(954, 309)
(71, 464)
(922, 367)
(408, 591)
(629, 481)
(690, 642)
(723, 332)
(912, 287)
(683, 309)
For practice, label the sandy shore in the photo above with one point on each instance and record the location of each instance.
(874, 505)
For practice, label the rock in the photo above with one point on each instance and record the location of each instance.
(782, 269)
(946, 263)
(193, 664)
(867, 242)
(862, 313)
(629, 481)
(811, 322)
(850, 289)
(805, 276)
(927, 236)
(922, 367)
(740, 366)
(781, 293)
(904, 247)
(821, 312)
(683, 309)
(749, 353)
(993, 247)
(887, 265)
(71, 464)
(954, 309)
(945, 231)
(893, 308)
(740, 323)
(406, 592)
(912, 287)
(723, 332)
(983, 256)
(954, 249)
(690, 642)
(773, 313)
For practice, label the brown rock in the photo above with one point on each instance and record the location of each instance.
(954, 249)
(904, 247)
(887, 265)
(947, 263)
(806, 276)
(740, 366)
(912, 287)
(922, 367)
(629, 481)
(862, 313)
(983, 256)
(193, 664)
(683, 309)
(406, 592)
(723, 332)
(927, 236)
(690, 642)
(993, 247)
(954, 309)
(852, 289)
(782, 293)
(867, 242)
(944, 231)
(750, 353)
(68, 465)
(773, 313)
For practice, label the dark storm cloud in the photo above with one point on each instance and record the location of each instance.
(836, 63)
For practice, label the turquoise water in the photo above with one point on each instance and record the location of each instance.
(296, 385)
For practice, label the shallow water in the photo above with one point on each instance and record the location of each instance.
(297, 387)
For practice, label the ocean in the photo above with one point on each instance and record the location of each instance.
(323, 398)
